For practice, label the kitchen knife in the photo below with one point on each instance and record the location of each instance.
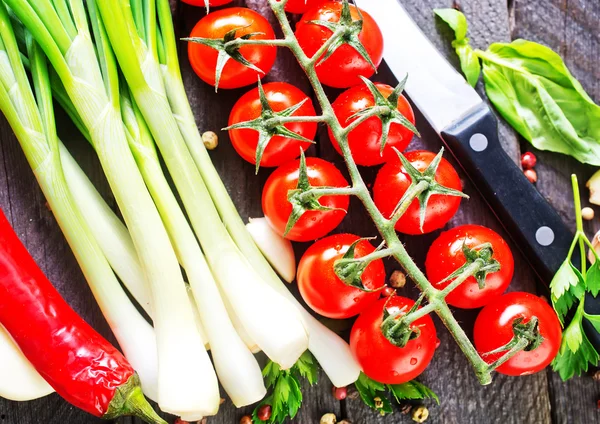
(470, 131)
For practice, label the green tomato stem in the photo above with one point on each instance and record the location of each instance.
(413, 192)
(435, 297)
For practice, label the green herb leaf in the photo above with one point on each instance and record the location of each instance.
(592, 279)
(286, 396)
(307, 367)
(576, 352)
(469, 62)
(566, 287)
(412, 390)
(373, 394)
(534, 91)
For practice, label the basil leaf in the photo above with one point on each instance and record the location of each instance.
(534, 91)
(469, 62)
(455, 20)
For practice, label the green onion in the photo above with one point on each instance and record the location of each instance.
(332, 352)
(267, 317)
(187, 384)
(19, 381)
(32, 119)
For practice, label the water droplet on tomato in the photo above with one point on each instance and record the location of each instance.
(413, 361)
(338, 247)
(314, 219)
(356, 299)
(419, 346)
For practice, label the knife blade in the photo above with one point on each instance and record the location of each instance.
(470, 131)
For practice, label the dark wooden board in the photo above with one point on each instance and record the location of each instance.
(569, 26)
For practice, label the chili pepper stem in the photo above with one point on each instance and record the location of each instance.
(129, 400)
(384, 226)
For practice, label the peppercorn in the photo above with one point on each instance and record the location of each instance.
(264, 413)
(528, 160)
(596, 376)
(420, 414)
(388, 291)
(340, 393)
(210, 140)
(587, 213)
(531, 175)
(378, 403)
(353, 394)
(344, 422)
(397, 280)
(246, 419)
(328, 419)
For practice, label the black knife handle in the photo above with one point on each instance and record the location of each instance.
(529, 219)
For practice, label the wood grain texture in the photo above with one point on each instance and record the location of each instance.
(535, 399)
(569, 27)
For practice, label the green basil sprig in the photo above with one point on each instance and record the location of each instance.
(469, 62)
(531, 87)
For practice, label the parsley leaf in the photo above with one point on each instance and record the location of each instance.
(592, 279)
(374, 394)
(576, 352)
(286, 396)
(412, 390)
(469, 62)
(566, 288)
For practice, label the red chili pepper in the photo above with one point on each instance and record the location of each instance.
(82, 366)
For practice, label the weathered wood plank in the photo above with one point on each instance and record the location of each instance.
(570, 27)
(463, 400)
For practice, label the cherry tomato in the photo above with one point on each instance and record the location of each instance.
(392, 182)
(300, 6)
(322, 289)
(215, 25)
(446, 255)
(203, 2)
(281, 96)
(342, 69)
(313, 224)
(365, 140)
(494, 329)
(379, 358)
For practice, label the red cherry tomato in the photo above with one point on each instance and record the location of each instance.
(379, 358)
(446, 255)
(494, 329)
(313, 224)
(300, 6)
(215, 25)
(342, 69)
(365, 140)
(203, 2)
(280, 150)
(392, 182)
(322, 289)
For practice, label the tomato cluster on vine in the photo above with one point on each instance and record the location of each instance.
(342, 276)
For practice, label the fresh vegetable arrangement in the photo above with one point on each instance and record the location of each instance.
(208, 281)
(418, 192)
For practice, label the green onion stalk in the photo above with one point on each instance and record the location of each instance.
(332, 352)
(30, 113)
(268, 318)
(187, 384)
(236, 366)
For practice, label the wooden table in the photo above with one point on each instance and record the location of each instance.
(568, 26)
